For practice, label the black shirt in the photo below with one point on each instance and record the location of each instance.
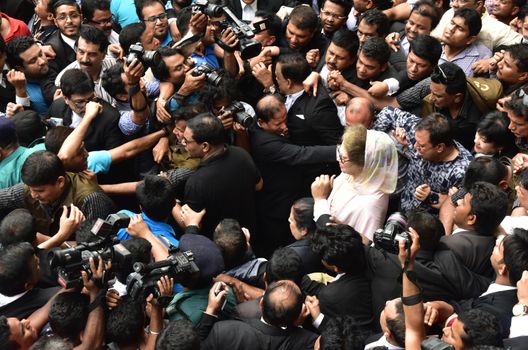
(224, 184)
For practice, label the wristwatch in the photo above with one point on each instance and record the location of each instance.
(520, 309)
(271, 90)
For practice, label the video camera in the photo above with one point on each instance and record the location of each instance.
(147, 58)
(388, 238)
(245, 33)
(70, 262)
(142, 282)
(237, 110)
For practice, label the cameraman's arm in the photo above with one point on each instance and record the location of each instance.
(138, 100)
(93, 336)
(39, 318)
(411, 296)
(166, 91)
(139, 228)
(68, 224)
(230, 62)
(134, 147)
(242, 290)
(165, 286)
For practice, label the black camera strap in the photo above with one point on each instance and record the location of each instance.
(224, 46)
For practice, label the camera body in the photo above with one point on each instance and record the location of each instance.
(147, 58)
(203, 6)
(70, 262)
(211, 76)
(237, 110)
(142, 282)
(433, 343)
(388, 238)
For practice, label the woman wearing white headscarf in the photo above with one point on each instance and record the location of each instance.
(360, 195)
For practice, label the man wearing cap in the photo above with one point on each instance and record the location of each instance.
(12, 155)
(192, 302)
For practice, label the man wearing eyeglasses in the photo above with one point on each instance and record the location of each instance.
(97, 13)
(67, 18)
(333, 15)
(152, 13)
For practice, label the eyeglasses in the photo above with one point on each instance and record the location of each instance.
(83, 102)
(340, 156)
(72, 16)
(153, 19)
(333, 15)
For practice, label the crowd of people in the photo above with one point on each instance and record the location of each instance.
(263, 174)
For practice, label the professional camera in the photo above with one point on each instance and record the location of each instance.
(210, 74)
(237, 110)
(207, 9)
(433, 343)
(147, 58)
(388, 238)
(70, 262)
(142, 282)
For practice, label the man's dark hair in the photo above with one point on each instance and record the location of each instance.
(303, 214)
(140, 4)
(427, 48)
(274, 22)
(471, 18)
(480, 328)
(10, 140)
(382, 4)
(5, 334)
(52, 342)
(75, 81)
(516, 104)
(112, 81)
(42, 168)
(17, 46)
(516, 254)
(450, 75)
(140, 251)
(189, 111)
(439, 129)
(55, 138)
(523, 12)
(377, 49)
(340, 245)
(15, 268)
(284, 264)
(94, 36)
(90, 6)
(519, 53)
(282, 303)
(160, 70)
(18, 226)
(210, 93)
(230, 238)
(294, 66)
(155, 196)
(345, 4)
(428, 226)
(266, 111)
(84, 234)
(494, 129)
(490, 204)
(397, 325)
(375, 17)
(428, 9)
(68, 314)
(304, 17)
(124, 323)
(486, 169)
(342, 332)
(346, 39)
(183, 18)
(130, 35)
(29, 127)
(207, 128)
(178, 335)
(54, 4)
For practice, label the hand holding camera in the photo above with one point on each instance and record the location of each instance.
(217, 298)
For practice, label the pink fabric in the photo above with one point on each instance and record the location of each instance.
(17, 28)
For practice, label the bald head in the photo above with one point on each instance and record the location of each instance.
(282, 303)
(268, 106)
(359, 110)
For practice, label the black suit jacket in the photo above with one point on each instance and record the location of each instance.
(24, 306)
(103, 133)
(341, 298)
(64, 55)
(253, 334)
(473, 249)
(265, 5)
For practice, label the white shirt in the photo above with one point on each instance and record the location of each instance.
(5, 300)
(341, 109)
(69, 41)
(494, 288)
(317, 322)
(383, 342)
(76, 120)
(290, 99)
(519, 326)
(248, 10)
